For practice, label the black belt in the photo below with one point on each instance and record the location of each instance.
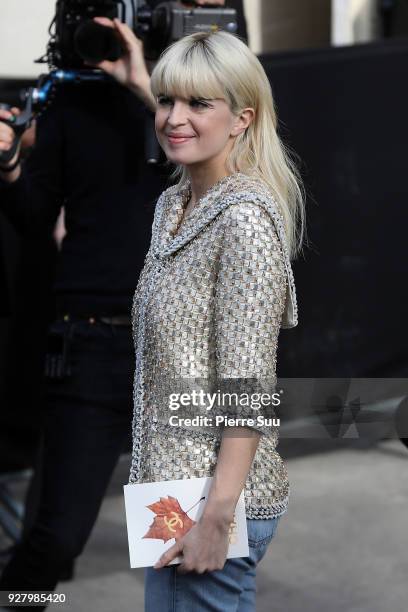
(117, 320)
(125, 320)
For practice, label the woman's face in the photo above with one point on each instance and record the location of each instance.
(195, 131)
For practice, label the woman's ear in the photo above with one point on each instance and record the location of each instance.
(242, 122)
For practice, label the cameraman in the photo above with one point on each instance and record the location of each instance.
(89, 156)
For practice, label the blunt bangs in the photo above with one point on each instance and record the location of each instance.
(188, 71)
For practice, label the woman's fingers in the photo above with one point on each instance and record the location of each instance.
(169, 555)
(184, 568)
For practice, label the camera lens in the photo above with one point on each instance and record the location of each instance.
(94, 42)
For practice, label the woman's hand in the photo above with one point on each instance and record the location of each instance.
(204, 548)
(130, 69)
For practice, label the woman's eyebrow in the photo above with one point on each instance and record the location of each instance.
(191, 98)
(201, 98)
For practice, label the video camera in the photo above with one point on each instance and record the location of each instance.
(76, 38)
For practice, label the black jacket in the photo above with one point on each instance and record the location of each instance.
(89, 157)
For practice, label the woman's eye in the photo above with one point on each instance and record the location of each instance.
(198, 103)
(164, 100)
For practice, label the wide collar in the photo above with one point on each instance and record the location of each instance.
(173, 236)
(168, 237)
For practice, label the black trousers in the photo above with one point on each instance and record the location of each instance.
(87, 424)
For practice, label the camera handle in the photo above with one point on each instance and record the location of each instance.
(39, 96)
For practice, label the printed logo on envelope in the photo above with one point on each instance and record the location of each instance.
(170, 520)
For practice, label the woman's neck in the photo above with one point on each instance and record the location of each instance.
(202, 179)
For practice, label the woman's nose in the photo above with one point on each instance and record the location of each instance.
(178, 114)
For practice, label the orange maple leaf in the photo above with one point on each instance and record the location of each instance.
(170, 520)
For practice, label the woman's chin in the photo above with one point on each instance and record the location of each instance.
(180, 160)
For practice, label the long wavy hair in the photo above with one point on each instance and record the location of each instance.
(220, 65)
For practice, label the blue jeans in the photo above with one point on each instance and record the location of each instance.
(231, 589)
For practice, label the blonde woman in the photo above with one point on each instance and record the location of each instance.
(216, 288)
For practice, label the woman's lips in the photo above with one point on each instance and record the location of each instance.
(178, 139)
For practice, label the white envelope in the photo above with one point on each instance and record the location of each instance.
(175, 503)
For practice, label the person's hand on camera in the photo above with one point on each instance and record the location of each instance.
(130, 69)
(7, 137)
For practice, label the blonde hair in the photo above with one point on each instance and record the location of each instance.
(220, 65)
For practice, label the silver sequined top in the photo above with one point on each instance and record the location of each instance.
(210, 301)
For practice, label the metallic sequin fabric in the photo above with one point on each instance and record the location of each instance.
(215, 289)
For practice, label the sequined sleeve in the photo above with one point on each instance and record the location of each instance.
(249, 303)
